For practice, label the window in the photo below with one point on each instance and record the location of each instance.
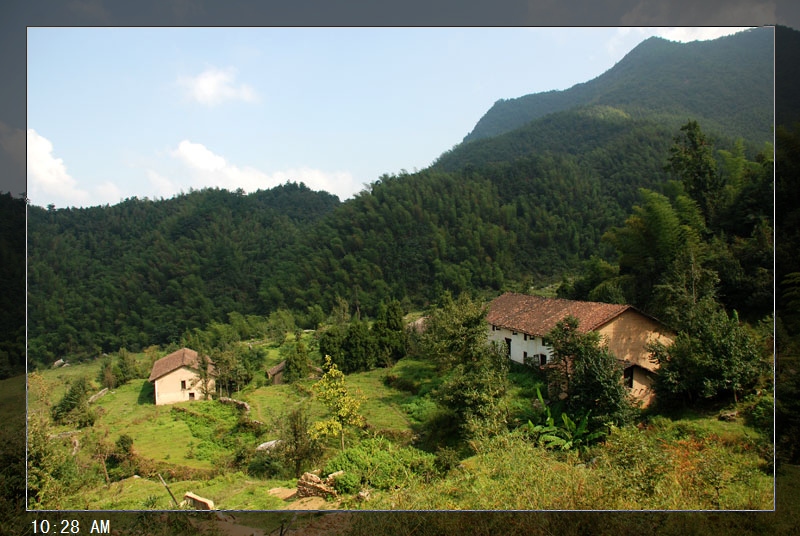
(627, 376)
(191, 396)
(183, 385)
(508, 346)
(524, 357)
(542, 359)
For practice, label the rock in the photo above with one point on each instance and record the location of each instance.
(98, 395)
(269, 445)
(197, 502)
(363, 495)
(728, 416)
(310, 485)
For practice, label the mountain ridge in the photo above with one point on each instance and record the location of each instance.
(659, 73)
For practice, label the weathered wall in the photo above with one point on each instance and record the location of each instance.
(168, 387)
(628, 334)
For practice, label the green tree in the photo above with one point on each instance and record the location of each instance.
(712, 355)
(455, 332)
(650, 240)
(360, 351)
(296, 356)
(589, 375)
(342, 406)
(476, 372)
(389, 333)
(297, 447)
(74, 405)
(692, 160)
(280, 323)
(595, 384)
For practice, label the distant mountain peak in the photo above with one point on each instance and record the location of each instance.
(664, 76)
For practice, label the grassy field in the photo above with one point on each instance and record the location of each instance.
(689, 461)
(199, 438)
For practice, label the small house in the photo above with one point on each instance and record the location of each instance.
(177, 378)
(520, 322)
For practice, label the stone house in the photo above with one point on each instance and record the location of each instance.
(176, 378)
(520, 322)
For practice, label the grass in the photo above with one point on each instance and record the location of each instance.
(234, 491)
(691, 460)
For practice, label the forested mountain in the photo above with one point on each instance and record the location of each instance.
(528, 206)
(704, 80)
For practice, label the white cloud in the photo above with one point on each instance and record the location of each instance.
(48, 180)
(209, 169)
(214, 86)
(198, 156)
(107, 192)
(163, 186)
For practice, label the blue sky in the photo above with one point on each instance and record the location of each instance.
(152, 112)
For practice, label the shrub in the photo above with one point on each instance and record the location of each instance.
(446, 459)
(759, 412)
(379, 464)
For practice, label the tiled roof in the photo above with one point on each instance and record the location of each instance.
(184, 357)
(536, 315)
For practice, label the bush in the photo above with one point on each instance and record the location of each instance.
(348, 482)
(380, 464)
(264, 465)
(759, 412)
(446, 459)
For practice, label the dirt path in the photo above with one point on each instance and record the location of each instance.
(306, 503)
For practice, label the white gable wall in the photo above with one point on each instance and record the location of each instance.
(521, 344)
(168, 387)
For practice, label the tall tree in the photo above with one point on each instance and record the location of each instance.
(476, 373)
(589, 374)
(296, 356)
(692, 160)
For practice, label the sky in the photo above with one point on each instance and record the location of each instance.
(114, 113)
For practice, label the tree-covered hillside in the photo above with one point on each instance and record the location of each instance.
(142, 272)
(704, 80)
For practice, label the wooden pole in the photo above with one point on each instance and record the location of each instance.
(169, 491)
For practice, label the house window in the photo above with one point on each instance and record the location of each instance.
(191, 396)
(524, 357)
(508, 346)
(627, 376)
(183, 385)
(542, 359)
(513, 332)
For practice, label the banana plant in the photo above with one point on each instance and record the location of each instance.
(567, 435)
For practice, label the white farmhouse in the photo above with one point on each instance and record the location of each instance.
(520, 322)
(176, 378)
